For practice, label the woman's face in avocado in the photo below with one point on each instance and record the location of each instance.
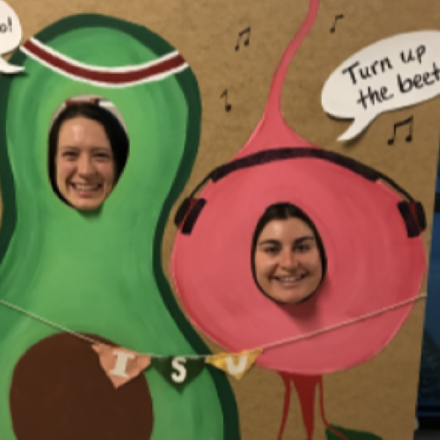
(84, 162)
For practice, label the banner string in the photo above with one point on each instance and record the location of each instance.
(264, 346)
(344, 323)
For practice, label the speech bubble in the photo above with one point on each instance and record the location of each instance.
(10, 36)
(393, 73)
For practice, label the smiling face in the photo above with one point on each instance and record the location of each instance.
(287, 261)
(85, 167)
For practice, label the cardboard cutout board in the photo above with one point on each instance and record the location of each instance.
(99, 338)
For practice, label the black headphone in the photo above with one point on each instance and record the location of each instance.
(411, 211)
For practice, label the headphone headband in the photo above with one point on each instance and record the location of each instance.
(191, 207)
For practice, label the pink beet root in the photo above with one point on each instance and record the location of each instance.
(363, 234)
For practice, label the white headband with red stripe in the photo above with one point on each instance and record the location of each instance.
(114, 77)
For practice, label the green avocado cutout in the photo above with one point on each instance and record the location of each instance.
(100, 274)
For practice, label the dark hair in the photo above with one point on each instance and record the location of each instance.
(114, 130)
(284, 211)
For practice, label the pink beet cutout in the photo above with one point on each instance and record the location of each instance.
(372, 262)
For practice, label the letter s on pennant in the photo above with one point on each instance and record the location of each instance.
(180, 375)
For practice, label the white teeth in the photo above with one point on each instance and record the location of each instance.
(85, 187)
(290, 279)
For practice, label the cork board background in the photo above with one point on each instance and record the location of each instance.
(379, 396)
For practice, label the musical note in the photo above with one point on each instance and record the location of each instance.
(227, 105)
(409, 122)
(246, 32)
(337, 17)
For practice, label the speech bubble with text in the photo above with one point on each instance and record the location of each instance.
(393, 73)
(10, 36)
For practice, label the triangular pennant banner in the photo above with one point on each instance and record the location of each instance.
(235, 364)
(179, 371)
(119, 364)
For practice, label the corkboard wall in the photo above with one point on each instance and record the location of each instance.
(379, 396)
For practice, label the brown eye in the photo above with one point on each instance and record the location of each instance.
(69, 154)
(270, 250)
(102, 156)
(303, 248)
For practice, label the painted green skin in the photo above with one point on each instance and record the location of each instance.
(101, 274)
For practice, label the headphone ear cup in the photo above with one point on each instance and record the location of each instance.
(414, 217)
(420, 214)
(188, 213)
(183, 210)
(193, 214)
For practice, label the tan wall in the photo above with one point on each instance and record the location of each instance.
(380, 395)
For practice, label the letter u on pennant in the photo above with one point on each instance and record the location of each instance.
(235, 364)
(236, 368)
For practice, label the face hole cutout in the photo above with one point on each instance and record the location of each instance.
(288, 257)
(88, 150)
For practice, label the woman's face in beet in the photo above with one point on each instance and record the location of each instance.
(287, 261)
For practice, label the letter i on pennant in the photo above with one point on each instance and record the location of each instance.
(119, 364)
